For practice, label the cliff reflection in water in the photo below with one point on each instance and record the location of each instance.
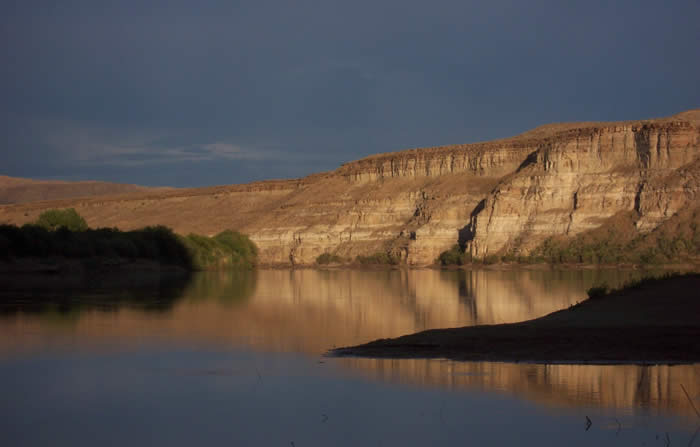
(307, 311)
(311, 311)
(627, 388)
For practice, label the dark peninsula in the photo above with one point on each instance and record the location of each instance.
(653, 321)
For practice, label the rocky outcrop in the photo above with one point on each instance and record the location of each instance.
(490, 197)
(580, 178)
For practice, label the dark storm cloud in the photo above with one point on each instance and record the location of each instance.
(192, 93)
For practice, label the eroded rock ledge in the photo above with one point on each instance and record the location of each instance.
(508, 194)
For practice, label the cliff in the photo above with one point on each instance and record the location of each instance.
(504, 195)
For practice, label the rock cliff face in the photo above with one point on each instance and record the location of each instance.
(491, 197)
(579, 178)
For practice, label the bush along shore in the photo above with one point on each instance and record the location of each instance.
(377, 259)
(63, 237)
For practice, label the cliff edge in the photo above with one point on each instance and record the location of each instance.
(492, 197)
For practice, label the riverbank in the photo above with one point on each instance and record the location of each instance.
(60, 242)
(657, 321)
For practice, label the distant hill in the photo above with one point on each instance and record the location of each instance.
(608, 188)
(22, 190)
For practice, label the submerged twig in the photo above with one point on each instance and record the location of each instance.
(690, 400)
(589, 422)
(619, 426)
(695, 435)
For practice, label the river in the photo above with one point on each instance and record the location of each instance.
(237, 358)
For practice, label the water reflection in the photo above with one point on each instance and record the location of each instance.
(310, 311)
(306, 311)
(627, 388)
(66, 297)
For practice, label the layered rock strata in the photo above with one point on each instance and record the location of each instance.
(490, 197)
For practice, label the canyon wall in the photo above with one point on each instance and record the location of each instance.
(503, 195)
(580, 178)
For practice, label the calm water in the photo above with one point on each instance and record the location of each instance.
(237, 359)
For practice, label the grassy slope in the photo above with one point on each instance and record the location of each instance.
(22, 190)
(617, 241)
(676, 240)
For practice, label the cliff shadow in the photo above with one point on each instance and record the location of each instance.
(466, 233)
(529, 160)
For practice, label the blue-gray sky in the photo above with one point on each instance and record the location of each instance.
(187, 93)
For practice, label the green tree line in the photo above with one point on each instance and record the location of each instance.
(64, 233)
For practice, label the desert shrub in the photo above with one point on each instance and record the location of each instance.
(35, 240)
(454, 256)
(68, 218)
(377, 258)
(202, 250)
(576, 250)
(509, 257)
(491, 259)
(168, 246)
(327, 258)
(597, 292)
(237, 243)
(227, 249)
(4, 245)
(124, 248)
(651, 256)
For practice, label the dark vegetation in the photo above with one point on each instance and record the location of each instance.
(110, 292)
(602, 290)
(63, 233)
(455, 256)
(226, 249)
(615, 242)
(380, 258)
(63, 304)
(327, 258)
(69, 219)
(597, 292)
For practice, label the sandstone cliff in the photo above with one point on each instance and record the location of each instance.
(507, 194)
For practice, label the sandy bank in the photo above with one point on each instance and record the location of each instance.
(657, 322)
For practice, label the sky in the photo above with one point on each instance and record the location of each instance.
(185, 93)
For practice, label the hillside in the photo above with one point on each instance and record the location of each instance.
(506, 195)
(21, 190)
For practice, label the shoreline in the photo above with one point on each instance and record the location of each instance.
(657, 322)
(494, 267)
(58, 265)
